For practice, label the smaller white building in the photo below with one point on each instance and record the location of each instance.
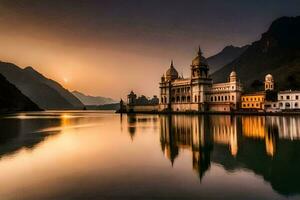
(288, 100)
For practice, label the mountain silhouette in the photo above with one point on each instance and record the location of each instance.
(277, 52)
(12, 99)
(92, 100)
(227, 55)
(45, 92)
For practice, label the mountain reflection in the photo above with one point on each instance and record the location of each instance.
(269, 146)
(27, 131)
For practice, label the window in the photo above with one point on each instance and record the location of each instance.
(232, 98)
(166, 100)
(183, 98)
(177, 99)
(257, 104)
(280, 105)
(215, 98)
(173, 99)
(287, 97)
(222, 98)
(281, 97)
(287, 105)
(297, 97)
(195, 98)
(274, 105)
(162, 100)
(188, 98)
(225, 98)
(211, 99)
(296, 105)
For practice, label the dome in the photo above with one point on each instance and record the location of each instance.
(171, 73)
(233, 73)
(269, 77)
(199, 60)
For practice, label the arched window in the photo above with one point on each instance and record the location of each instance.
(296, 105)
(188, 98)
(162, 100)
(211, 99)
(280, 105)
(287, 105)
(198, 98)
(166, 100)
(173, 99)
(177, 99)
(195, 98)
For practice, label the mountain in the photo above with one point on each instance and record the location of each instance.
(228, 54)
(45, 92)
(277, 52)
(93, 100)
(12, 99)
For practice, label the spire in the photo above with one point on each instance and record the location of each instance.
(199, 51)
(172, 65)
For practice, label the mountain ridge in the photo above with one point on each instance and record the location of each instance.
(45, 92)
(12, 99)
(93, 100)
(276, 52)
(225, 56)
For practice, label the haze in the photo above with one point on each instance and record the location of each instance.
(110, 47)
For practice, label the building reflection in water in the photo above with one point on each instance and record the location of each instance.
(187, 132)
(269, 146)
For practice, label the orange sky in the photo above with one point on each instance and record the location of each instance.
(102, 49)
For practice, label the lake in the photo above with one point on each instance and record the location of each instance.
(103, 155)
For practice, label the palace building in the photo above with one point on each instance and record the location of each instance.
(257, 100)
(198, 92)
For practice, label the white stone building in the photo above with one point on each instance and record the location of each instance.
(198, 93)
(288, 100)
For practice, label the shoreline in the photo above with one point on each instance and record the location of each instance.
(215, 113)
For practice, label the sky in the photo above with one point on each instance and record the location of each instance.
(110, 47)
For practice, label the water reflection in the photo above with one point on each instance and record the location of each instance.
(73, 155)
(268, 146)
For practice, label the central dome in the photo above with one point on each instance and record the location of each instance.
(199, 60)
(171, 73)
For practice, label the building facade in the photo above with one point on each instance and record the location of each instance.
(257, 100)
(288, 100)
(253, 101)
(198, 92)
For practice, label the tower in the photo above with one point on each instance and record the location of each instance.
(233, 77)
(199, 67)
(269, 82)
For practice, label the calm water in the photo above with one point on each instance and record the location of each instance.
(101, 155)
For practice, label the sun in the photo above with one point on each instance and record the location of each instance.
(66, 80)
